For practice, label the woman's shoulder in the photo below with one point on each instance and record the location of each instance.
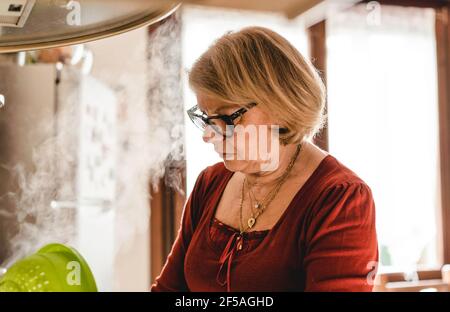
(335, 183)
(333, 180)
(211, 178)
(339, 194)
(335, 173)
(208, 181)
(215, 172)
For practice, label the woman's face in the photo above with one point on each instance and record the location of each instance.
(253, 146)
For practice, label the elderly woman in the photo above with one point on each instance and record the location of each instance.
(304, 222)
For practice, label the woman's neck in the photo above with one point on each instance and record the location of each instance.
(259, 180)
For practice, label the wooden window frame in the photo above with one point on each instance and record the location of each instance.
(166, 207)
(318, 54)
(443, 66)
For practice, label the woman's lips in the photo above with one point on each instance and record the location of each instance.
(227, 155)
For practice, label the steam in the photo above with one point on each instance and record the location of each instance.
(152, 136)
(149, 137)
(166, 109)
(51, 175)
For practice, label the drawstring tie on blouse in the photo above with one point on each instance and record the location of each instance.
(234, 244)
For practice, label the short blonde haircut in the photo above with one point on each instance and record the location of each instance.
(258, 65)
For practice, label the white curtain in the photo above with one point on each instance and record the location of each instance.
(383, 121)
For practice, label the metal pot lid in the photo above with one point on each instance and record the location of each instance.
(36, 24)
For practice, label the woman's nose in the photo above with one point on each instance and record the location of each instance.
(208, 135)
(205, 138)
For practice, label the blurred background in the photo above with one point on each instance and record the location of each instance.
(96, 150)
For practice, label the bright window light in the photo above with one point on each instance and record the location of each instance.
(383, 123)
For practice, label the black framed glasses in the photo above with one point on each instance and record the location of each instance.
(223, 124)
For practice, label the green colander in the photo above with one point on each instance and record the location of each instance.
(54, 267)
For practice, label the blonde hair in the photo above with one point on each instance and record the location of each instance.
(258, 65)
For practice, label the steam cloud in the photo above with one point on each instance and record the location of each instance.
(149, 137)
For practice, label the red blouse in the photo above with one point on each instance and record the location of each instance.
(324, 241)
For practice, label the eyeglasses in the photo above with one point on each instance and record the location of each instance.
(223, 124)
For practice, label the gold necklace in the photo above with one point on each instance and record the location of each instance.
(261, 206)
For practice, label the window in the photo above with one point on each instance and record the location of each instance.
(383, 123)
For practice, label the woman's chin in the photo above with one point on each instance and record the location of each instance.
(234, 165)
(243, 166)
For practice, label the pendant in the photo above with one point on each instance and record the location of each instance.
(239, 244)
(251, 222)
(257, 205)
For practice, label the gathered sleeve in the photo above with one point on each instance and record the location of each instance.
(341, 251)
(171, 278)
